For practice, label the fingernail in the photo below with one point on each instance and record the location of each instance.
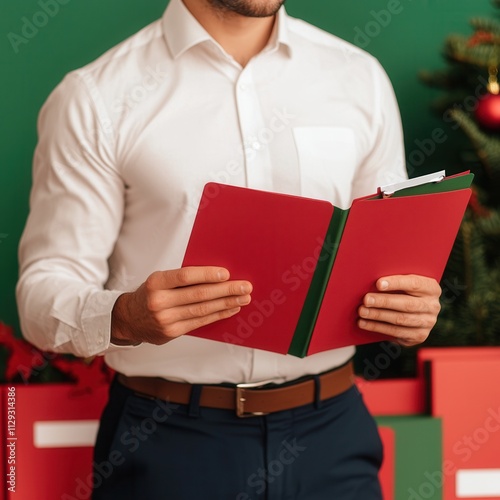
(234, 311)
(223, 275)
(384, 285)
(364, 312)
(245, 289)
(243, 300)
(370, 301)
(362, 323)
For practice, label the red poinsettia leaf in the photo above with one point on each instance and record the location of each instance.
(87, 376)
(23, 357)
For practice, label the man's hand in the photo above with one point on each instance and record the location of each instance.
(408, 313)
(171, 303)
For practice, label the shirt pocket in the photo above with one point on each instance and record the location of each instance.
(327, 162)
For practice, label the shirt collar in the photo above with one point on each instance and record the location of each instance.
(281, 34)
(182, 31)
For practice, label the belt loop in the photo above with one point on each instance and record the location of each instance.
(194, 401)
(317, 392)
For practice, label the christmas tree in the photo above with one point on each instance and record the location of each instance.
(471, 101)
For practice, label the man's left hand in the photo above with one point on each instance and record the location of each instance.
(408, 313)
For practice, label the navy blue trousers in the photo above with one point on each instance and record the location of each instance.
(153, 450)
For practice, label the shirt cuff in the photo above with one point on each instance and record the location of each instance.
(96, 323)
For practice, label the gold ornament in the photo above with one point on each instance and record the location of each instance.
(493, 86)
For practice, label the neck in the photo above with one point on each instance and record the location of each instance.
(240, 36)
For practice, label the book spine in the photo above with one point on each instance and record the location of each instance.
(319, 282)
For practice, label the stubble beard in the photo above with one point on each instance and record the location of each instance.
(247, 8)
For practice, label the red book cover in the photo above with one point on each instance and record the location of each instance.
(273, 241)
(407, 235)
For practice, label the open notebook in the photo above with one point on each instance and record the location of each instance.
(311, 263)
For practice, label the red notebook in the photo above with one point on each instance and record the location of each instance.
(311, 263)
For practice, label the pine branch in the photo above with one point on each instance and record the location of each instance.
(458, 48)
(445, 79)
(447, 101)
(487, 147)
(490, 225)
(486, 24)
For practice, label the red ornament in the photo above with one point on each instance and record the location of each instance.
(481, 37)
(488, 112)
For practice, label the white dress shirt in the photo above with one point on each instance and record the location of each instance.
(126, 145)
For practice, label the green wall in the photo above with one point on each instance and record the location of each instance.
(406, 38)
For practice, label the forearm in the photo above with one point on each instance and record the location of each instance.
(64, 315)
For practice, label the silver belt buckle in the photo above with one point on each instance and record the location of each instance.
(240, 399)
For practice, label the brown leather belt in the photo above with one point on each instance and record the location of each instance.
(247, 399)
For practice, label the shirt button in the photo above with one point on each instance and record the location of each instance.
(243, 86)
(256, 145)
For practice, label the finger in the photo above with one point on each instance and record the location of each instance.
(402, 335)
(201, 309)
(186, 276)
(182, 327)
(398, 318)
(410, 283)
(402, 302)
(164, 299)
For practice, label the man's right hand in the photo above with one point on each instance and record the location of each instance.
(171, 303)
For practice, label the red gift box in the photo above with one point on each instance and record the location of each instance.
(463, 390)
(49, 430)
(55, 430)
(454, 353)
(393, 396)
(387, 474)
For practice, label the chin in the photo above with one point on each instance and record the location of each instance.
(249, 8)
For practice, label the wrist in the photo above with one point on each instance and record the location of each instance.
(120, 326)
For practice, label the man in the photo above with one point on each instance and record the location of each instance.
(232, 91)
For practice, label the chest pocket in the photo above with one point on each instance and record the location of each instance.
(327, 162)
